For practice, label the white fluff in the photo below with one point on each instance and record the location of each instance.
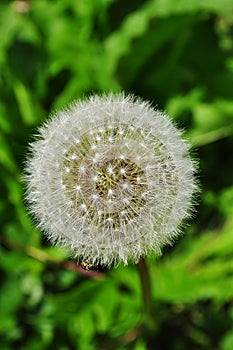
(110, 178)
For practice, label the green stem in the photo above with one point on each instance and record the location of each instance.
(145, 280)
(45, 258)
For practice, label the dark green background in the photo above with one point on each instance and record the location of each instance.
(179, 55)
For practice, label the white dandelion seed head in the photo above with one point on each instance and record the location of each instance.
(111, 179)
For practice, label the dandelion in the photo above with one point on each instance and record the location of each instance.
(111, 179)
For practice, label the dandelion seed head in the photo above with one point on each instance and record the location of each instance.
(111, 179)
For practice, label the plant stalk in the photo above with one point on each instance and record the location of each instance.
(145, 280)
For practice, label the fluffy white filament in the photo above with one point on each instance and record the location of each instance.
(110, 178)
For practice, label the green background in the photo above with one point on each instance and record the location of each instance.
(179, 55)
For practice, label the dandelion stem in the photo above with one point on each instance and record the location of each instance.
(145, 280)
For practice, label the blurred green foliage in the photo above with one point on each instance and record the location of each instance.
(179, 55)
